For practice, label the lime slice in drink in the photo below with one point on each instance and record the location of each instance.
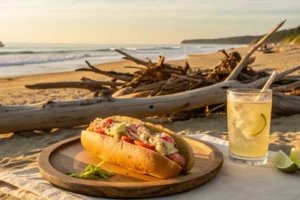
(295, 156)
(253, 125)
(284, 163)
(260, 125)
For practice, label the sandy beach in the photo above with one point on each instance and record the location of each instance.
(20, 150)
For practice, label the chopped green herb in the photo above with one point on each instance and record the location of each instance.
(92, 172)
(71, 174)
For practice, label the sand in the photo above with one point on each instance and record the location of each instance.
(20, 150)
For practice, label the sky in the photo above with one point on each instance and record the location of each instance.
(140, 22)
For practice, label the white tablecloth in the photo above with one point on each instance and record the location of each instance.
(233, 182)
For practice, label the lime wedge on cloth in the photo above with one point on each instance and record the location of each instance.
(260, 125)
(284, 163)
(295, 156)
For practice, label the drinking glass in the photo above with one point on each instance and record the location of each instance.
(248, 118)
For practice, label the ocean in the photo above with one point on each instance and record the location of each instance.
(18, 59)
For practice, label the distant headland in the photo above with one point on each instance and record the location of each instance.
(287, 36)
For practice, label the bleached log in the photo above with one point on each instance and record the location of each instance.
(136, 60)
(152, 86)
(79, 112)
(280, 76)
(250, 61)
(115, 75)
(288, 87)
(55, 114)
(188, 78)
(86, 79)
(285, 104)
(133, 67)
(224, 52)
(141, 62)
(160, 61)
(290, 79)
(83, 85)
(136, 94)
(123, 91)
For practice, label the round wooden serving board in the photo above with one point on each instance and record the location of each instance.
(69, 155)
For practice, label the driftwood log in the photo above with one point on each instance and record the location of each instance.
(285, 104)
(86, 84)
(288, 87)
(112, 74)
(77, 112)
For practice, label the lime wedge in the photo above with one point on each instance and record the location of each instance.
(284, 163)
(260, 125)
(295, 156)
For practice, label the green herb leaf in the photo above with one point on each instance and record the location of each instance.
(103, 173)
(89, 173)
(71, 174)
(92, 172)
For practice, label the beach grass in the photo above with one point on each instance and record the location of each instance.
(294, 39)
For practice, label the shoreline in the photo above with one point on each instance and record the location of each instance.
(54, 73)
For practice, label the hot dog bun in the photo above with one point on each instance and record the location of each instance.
(135, 157)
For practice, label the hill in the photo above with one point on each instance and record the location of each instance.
(287, 35)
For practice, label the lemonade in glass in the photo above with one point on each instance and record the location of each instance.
(248, 117)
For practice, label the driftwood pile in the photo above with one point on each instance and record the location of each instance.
(168, 89)
(157, 79)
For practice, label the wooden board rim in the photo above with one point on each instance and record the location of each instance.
(54, 176)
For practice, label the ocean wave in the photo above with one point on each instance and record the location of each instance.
(175, 47)
(151, 48)
(148, 48)
(24, 59)
(53, 52)
(88, 50)
(130, 49)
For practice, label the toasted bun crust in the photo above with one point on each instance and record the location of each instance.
(129, 156)
(135, 157)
